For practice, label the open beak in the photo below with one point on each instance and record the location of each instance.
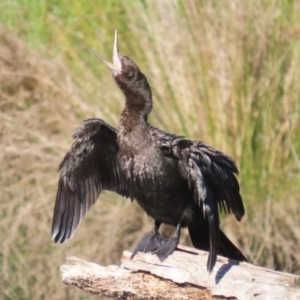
(116, 66)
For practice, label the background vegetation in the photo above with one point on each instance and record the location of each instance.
(225, 72)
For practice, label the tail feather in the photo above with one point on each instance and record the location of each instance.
(200, 238)
(228, 249)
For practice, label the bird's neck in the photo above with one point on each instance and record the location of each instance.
(134, 118)
(133, 130)
(138, 104)
(138, 97)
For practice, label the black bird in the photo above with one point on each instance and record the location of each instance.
(177, 181)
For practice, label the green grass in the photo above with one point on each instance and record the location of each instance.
(227, 74)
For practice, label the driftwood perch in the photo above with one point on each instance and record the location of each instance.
(182, 275)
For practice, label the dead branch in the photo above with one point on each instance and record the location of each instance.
(183, 275)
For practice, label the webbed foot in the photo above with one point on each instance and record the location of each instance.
(149, 243)
(169, 247)
(166, 248)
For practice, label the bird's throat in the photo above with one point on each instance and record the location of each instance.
(133, 130)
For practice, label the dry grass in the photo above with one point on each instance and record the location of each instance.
(271, 238)
(226, 75)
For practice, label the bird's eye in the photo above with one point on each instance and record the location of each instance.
(130, 74)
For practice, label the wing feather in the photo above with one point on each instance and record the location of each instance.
(89, 167)
(205, 199)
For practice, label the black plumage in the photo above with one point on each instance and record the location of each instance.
(175, 180)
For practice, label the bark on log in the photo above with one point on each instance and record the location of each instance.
(182, 275)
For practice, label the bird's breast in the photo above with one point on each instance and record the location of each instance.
(157, 185)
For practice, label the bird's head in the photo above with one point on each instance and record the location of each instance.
(129, 78)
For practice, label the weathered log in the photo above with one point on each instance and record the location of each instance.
(182, 275)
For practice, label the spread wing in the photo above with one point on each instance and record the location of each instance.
(89, 167)
(211, 175)
(218, 171)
